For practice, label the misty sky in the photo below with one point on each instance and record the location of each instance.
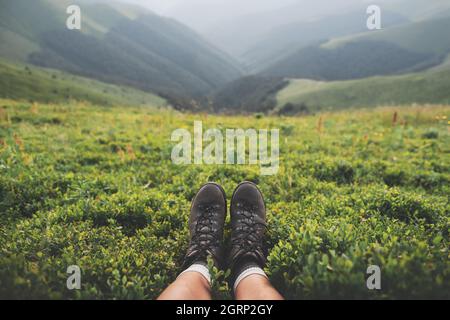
(226, 6)
(203, 14)
(213, 10)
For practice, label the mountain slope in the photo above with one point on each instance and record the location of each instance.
(354, 60)
(117, 44)
(248, 94)
(425, 87)
(427, 36)
(280, 42)
(21, 82)
(401, 49)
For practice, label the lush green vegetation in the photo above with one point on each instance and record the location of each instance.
(31, 83)
(95, 187)
(311, 96)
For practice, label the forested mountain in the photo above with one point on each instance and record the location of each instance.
(126, 45)
(248, 94)
(410, 47)
(285, 40)
(119, 44)
(352, 61)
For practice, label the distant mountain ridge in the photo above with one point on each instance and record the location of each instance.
(402, 64)
(285, 40)
(399, 49)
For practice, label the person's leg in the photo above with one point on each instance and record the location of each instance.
(188, 286)
(206, 222)
(256, 287)
(247, 256)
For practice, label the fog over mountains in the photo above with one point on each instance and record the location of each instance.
(234, 25)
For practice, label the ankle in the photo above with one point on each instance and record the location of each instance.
(245, 268)
(199, 268)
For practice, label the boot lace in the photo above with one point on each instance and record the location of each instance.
(247, 234)
(205, 234)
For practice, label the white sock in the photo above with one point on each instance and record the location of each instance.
(248, 272)
(200, 268)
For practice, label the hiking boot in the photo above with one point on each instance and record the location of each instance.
(206, 223)
(248, 229)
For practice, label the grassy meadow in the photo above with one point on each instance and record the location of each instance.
(431, 86)
(26, 82)
(95, 187)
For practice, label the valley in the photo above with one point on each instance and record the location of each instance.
(325, 63)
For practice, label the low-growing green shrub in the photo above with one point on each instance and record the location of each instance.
(99, 190)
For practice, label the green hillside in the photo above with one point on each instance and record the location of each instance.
(354, 60)
(428, 36)
(443, 66)
(117, 44)
(29, 83)
(394, 50)
(426, 87)
(285, 40)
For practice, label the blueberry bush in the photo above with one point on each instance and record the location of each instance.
(95, 187)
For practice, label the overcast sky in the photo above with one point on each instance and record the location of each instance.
(202, 14)
(224, 6)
